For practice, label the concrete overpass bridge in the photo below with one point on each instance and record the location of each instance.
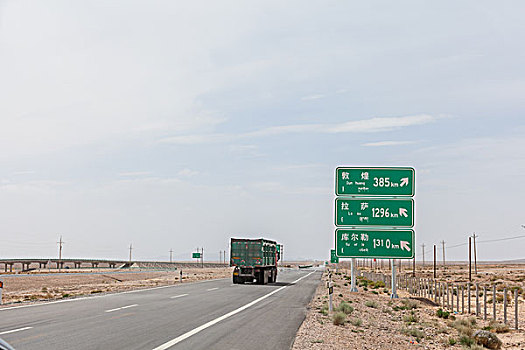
(28, 264)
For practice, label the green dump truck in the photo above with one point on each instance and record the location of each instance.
(254, 260)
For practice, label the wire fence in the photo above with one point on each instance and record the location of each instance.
(484, 300)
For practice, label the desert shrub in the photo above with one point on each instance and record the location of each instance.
(345, 308)
(463, 326)
(380, 284)
(372, 304)
(357, 322)
(409, 304)
(412, 318)
(451, 341)
(498, 327)
(442, 314)
(339, 318)
(413, 332)
(466, 340)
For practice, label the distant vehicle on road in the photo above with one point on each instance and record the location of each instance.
(254, 259)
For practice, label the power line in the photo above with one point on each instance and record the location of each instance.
(485, 241)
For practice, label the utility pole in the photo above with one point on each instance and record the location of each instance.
(470, 259)
(434, 261)
(202, 257)
(60, 243)
(443, 244)
(171, 255)
(423, 253)
(475, 255)
(130, 249)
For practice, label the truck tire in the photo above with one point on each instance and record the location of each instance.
(273, 276)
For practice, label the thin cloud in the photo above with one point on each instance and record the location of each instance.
(134, 173)
(364, 125)
(387, 143)
(196, 139)
(188, 172)
(312, 97)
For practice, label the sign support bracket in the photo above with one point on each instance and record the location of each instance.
(394, 289)
(353, 287)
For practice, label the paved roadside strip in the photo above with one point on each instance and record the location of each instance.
(44, 303)
(194, 331)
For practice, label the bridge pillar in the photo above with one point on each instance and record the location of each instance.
(11, 267)
(5, 265)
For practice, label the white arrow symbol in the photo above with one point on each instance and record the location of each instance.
(405, 245)
(403, 212)
(404, 181)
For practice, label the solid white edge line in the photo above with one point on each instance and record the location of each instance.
(106, 295)
(15, 330)
(212, 289)
(178, 296)
(122, 308)
(194, 331)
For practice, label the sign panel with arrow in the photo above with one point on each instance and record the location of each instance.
(333, 257)
(364, 243)
(359, 212)
(374, 181)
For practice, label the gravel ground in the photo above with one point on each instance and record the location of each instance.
(377, 322)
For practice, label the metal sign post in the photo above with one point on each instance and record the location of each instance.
(394, 289)
(353, 287)
(330, 293)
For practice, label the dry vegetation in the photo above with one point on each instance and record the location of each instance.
(369, 319)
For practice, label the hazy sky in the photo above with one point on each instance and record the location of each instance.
(178, 124)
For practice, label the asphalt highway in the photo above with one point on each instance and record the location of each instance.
(204, 315)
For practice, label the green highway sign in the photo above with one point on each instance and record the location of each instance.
(363, 243)
(196, 255)
(333, 257)
(358, 212)
(374, 181)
